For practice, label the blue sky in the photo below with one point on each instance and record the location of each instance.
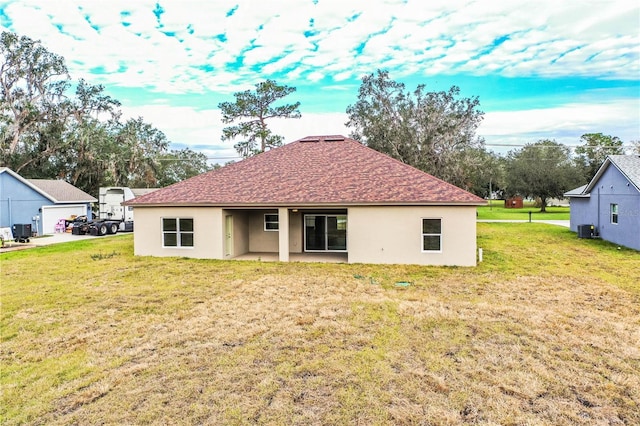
(541, 69)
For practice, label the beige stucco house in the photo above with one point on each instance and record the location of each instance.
(321, 195)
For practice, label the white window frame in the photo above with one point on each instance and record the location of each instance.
(178, 232)
(276, 222)
(613, 213)
(423, 234)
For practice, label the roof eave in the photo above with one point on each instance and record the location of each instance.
(94, 200)
(310, 205)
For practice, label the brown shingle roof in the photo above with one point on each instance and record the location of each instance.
(320, 170)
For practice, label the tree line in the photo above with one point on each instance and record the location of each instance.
(52, 127)
(46, 132)
(434, 132)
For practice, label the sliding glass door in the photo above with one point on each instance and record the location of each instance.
(325, 232)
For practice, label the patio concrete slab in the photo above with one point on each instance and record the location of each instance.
(296, 257)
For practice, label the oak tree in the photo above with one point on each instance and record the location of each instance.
(541, 170)
(178, 165)
(594, 150)
(47, 131)
(432, 131)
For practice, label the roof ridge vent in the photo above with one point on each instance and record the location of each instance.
(310, 140)
(334, 139)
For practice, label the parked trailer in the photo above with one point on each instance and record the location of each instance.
(113, 217)
(82, 226)
(110, 201)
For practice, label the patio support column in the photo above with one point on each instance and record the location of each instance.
(283, 233)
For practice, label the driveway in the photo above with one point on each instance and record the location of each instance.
(47, 240)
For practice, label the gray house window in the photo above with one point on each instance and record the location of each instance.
(177, 232)
(431, 235)
(614, 213)
(271, 222)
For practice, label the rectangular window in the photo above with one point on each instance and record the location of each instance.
(271, 222)
(177, 232)
(431, 234)
(614, 213)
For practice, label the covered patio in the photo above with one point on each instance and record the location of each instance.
(286, 234)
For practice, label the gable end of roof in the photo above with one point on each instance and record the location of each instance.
(27, 183)
(627, 165)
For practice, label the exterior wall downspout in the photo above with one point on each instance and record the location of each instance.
(283, 234)
(598, 210)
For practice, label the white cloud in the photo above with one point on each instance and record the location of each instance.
(311, 124)
(201, 130)
(181, 124)
(589, 38)
(296, 40)
(565, 123)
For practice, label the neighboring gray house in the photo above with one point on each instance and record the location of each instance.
(39, 202)
(611, 201)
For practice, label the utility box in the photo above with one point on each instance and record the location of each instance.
(22, 232)
(586, 231)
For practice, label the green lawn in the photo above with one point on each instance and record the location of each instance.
(496, 211)
(543, 332)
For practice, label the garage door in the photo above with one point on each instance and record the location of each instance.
(51, 215)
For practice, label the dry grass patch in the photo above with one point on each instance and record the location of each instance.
(545, 331)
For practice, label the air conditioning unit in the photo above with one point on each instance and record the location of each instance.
(586, 231)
